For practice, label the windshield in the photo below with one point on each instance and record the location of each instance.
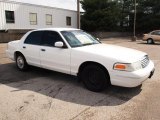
(79, 38)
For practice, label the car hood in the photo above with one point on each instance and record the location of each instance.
(120, 54)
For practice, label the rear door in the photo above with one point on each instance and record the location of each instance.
(54, 58)
(31, 48)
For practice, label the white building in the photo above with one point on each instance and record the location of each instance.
(17, 15)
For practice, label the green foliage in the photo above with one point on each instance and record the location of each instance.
(117, 15)
(100, 15)
(148, 15)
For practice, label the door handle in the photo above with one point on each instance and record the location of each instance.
(43, 50)
(24, 47)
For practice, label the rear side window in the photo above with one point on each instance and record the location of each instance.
(34, 38)
(50, 37)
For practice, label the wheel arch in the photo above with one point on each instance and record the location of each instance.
(84, 64)
(17, 53)
(149, 38)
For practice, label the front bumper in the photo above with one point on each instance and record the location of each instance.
(132, 79)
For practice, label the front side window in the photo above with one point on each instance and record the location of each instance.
(48, 19)
(79, 38)
(33, 18)
(68, 21)
(158, 32)
(50, 37)
(34, 38)
(155, 33)
(9, 16)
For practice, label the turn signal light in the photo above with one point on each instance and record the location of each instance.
(120, 67)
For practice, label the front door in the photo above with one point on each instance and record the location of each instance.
(54, 58)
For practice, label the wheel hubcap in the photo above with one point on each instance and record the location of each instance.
(20, 62)
(149, 41)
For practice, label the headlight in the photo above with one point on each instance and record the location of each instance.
(128, 66)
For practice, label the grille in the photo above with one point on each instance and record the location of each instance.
(145, 61)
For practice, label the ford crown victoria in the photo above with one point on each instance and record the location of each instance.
(75, 52)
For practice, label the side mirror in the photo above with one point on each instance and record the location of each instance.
(59, 44)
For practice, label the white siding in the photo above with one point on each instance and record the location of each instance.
(22, 21)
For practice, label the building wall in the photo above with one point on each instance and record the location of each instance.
(7, 37)
(22, 21)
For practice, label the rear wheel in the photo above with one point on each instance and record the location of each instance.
(21, 62)
(150, 41)
(94, 78)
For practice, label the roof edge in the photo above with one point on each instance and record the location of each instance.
(29, 4)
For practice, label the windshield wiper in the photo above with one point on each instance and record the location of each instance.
(84, 44)
(89, 44)
(77, 45)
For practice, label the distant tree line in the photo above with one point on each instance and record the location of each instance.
(118, 15)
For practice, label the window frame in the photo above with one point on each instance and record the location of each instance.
(68, 20)
(42, 38)
(32, 22)
(49, 23)
(13, 16)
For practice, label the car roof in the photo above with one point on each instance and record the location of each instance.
(155, 30)
(56, 29)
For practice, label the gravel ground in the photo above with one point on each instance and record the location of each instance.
(47, 95)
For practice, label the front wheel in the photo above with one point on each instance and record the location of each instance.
(94, 78)
(21, 62)
(150, 41)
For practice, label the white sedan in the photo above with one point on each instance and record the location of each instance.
(75, 52)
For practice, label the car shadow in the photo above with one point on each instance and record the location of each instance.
(148, 44)
(63, 87)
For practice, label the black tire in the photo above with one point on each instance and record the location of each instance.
(94, 78)
(21, 62)
(150, 41)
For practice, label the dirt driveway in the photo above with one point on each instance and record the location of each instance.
(46, 95)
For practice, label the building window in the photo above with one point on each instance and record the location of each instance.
(33, 18)
(48, 19)
(68, 21)
(9, 16)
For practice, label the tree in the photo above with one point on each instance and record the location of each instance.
(118, 15)
(148, 15)
(100, 15)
